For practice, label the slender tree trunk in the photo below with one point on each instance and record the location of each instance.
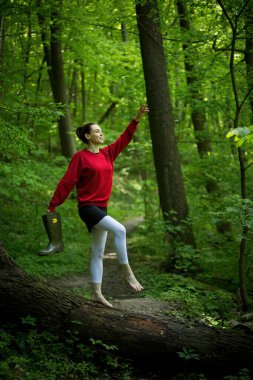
(59, 87)
(53, 55)
(1, 44)
(124, 32)
(26, 58)
(152, 341)
(1, 54)
(45, 38)
(245, 229)
(249, 53)
(73, 91)
(39, 78)
(242, 249)
(198, 114)
(27, 47)
(241, 154)
(83, 92)
(166, 156)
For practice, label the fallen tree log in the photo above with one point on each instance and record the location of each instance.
(150, 340)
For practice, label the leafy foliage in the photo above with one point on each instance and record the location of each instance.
(32, 354)
(103, 65)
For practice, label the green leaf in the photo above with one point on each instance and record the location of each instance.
(238, 132)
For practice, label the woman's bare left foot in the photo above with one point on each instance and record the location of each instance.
(134, 284)
(130, 278)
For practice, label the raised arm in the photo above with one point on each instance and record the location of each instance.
(124, 139)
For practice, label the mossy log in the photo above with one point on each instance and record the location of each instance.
(154, 341)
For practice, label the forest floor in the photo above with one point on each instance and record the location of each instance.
(114, 287)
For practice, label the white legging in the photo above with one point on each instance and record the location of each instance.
(99, 235)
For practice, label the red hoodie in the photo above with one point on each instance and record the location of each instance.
(92, 173)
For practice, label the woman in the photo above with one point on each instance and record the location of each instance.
(91, 171)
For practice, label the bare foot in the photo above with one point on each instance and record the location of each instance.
(131, 280)
(101, 299)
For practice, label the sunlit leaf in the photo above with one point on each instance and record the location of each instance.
(239, 132)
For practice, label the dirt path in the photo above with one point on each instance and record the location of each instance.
(114, 287)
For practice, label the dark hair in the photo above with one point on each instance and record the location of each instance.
(81, 132)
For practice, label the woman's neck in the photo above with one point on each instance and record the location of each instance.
(93, 148)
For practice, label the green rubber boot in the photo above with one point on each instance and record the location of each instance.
(52, 223)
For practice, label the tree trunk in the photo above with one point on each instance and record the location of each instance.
(249, 53)
(59, 87)
(166, 156)
(1, 44)
(83, 92)
(124, 32)
(53, 56)
(244, 299)
(152, 341)
(73, 92)
(1, 54)
(241, 154)
(198, 114)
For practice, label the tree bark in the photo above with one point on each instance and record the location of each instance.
(155, 341)
(197, 114)
(53, 56)
(166, 156)
(59, 87)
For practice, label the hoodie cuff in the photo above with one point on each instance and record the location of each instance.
(51, 208)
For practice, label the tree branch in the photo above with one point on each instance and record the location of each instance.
(107, 112)
(226, 14)
(247, 167)
(215, 48)
(246, 96)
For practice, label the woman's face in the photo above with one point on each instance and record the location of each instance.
(95, 136)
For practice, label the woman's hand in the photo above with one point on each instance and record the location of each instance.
(143, 109)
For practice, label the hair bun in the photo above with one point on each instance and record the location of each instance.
(79, 132)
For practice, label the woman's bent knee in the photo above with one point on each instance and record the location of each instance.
(121, 230)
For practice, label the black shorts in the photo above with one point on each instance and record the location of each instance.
(91, 215)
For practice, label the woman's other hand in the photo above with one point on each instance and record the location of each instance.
(141, 111)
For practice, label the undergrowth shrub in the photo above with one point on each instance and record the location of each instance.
(29, 354)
